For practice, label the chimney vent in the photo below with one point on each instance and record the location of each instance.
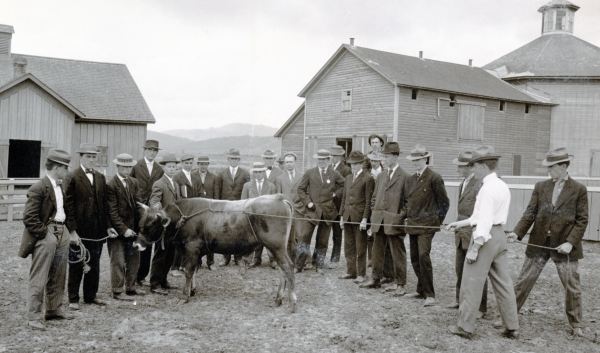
(471, 62)
(6, 33)
(20, 67)
(420, 54)
(351, 41)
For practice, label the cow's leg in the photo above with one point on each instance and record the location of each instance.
(190, 261)
(287, 279)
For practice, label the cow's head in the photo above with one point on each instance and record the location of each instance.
(153, 225)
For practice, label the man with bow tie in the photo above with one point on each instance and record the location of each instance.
(186, 181)
(86, 200)
(287, 184)
(272, 171)
(205, 183)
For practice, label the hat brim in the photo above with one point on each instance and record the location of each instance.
(58, 161)
(258, 169)
(377, 137)
(268, 156)
(88, 152)
(416, 158)
(151, 148)
(546, 163)
(355, 161)
(316, 156)
(124, 164)
(233, 156)
(455, 161)
(492, 157)
(168, 161)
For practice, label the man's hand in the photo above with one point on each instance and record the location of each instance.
(74, 238)
(450, 227)
(363, 224)
(565, 248)
(112, 233)
(341, 221)
(512, 237)
(310, 205)
(129, 233)
(472, 255)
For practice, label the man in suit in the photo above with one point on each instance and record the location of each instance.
(231, 183)
(388, 214)
(205, 183)
(427, 205)
(287, 184)
(257, 186)
(147, 171)
(185, 179)
(316, 192)
(339, 165)
(86, 201)
(558, 210)
(122, 196)
(467, 193)
(356, 208)
(272, 171)
(165, 191)
(46, 237)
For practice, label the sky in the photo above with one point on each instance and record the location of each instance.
(203, 64)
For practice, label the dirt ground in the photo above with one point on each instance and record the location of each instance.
(235, 313)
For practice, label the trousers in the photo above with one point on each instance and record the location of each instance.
(420, 248)
(124, 264)
(355, 250)
(395, 244)
(90, 279)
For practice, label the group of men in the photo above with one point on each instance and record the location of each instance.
(68, 217)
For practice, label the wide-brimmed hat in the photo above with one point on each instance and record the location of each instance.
(337, 150)
(151, 145)
(125, 160)
(88, 148)
(484, 153)
(269, 154)
(187, 156)
(59, 156)
(355, 157)
(233, 152)
(258, 167)
(375, 136)
(463, 159)
(391, 147)
(375, 156)
(419, 152)
(203, 159)
(322, 154)
(169, 158)
(289, 154)
(556, 156)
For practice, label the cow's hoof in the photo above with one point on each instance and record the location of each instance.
(193, 292)
(293, 308)
(278, 301)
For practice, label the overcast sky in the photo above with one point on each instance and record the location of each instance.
(208, 63)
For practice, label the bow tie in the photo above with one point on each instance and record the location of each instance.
(59, 182)
(89, 171)
(270, 168)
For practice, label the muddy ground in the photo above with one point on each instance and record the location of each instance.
(235, 313)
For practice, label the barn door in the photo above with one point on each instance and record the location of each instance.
(24, 159)
(595, 164)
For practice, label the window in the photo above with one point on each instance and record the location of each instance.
(501, 106)
(102, 156)
(346, 144)
(527, 108)
(470, 121)
(415, 92)
(560, 20)
(452, 100)
(346, 100)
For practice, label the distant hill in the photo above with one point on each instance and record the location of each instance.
(237, 129)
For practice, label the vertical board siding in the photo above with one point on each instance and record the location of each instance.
(293, 139)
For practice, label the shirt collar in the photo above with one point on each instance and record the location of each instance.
(187, 174)
(422, 170)
(562, 179)
(52, 181)
(168, 177)
(121, 177)
(84, 168)
(490, 176)
(358, 173)
(147, 161)
(395, 167)
(468, 178)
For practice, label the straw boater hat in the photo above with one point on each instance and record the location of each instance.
(125, 160)
(169, 158)
(337, 150)
(289, 154)
(464, 158)
(269, 154)
(151, 145)
(391, 147)
(258, 167)
(88, 148)
(59, 156)
(556, 156)
(233, 153)
(355, 157)
(375, 156)
(375, 136)
(419, 152)
(322, 154)
(484, 153)
(186, 157)
(203, 159)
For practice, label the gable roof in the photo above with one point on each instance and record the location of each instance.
(551, 55)
(409, 71)
(288, 123)
(99, 91)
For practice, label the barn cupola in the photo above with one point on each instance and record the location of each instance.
(6, 33)
(558, 16)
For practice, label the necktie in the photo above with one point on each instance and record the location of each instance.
(88, 171)
(355, 176)
(322, 175)
(291, 177)
(558, 185)
(259, 187)
(390, 172)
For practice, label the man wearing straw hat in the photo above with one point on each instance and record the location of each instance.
(427, 204)
(558, 210)
(122, 194)
(487, 252)
(315, 201)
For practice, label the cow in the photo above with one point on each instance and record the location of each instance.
(200, 226)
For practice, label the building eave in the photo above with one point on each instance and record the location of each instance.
(283, 129)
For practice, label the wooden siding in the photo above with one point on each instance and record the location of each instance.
(292, 140)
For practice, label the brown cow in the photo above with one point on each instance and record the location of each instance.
(200, 226)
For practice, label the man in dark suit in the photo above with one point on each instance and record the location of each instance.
(316, 192)
(165, 191)
(205, 183)
(122, 196)
(287, 184)
(185, 179)
(356, 208)
(272, 171)
(339, 165)
(467, 193)
(558, 210)
(86, 201)
(388, 214)
(231, 182)
(46, 238)
(427, 205)
(146, 172)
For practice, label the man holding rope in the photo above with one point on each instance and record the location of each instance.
(558, 210)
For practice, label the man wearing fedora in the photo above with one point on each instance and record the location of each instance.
(165, 191)
(186, 181)
(231, 182)
(269, 157)
(257, 186)
(205, 183)
(387, 219)
(315, 200)
(287, 184)
(122, 195)
(355, 212)
(339, 165)
(146, 171)
(86, 201)
(467, 192)
(487, 256)
(47, 239)
(427, 205)
(558, 211)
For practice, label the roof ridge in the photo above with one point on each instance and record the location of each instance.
(66, 59)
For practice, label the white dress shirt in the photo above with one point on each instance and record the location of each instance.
(149, 165)
(259, 184)
(171, 180)
(60, 215)
(122, 180)
(393, 170)
(187, 175)
(202, 176)
(356, 175)
(419, 173)
(233, 170)
(491, 207)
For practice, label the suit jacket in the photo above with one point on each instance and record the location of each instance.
(209, 189)
(466, 204)
(287, 187)
(389, 202)
(186, 186)
(231, 188)
(145, 180)
(356, 200)
(561, 223)
(87, 203)
(164, 193)
(250, 191)
(320, 193)
(427, 201)
(275, 173)
(344, 170)
(122, 206)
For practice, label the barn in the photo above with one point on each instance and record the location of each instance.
(50, 103)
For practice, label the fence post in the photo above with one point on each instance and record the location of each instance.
(11, 190)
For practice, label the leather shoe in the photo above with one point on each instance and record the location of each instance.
(121, 296)
(36, 325)
(452, 306)
(498, 324)
(160, 291)
(168, 286)
(415, 295)
(273, 264)
(135, 292)
(430, 301)
(359, 279)
(387, 280)
(347, 276)
(320, 271)
(298, 270)
(455, 330)
(58, 315)
(96, 301)
(512, 334)
(374, 283)
(74, 306)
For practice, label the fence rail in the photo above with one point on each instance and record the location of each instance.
(13, 197)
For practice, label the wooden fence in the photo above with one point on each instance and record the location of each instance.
(12, 197)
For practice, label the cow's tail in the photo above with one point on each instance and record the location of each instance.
(290, 226)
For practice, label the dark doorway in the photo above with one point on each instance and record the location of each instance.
(24, 159)
(346, 143)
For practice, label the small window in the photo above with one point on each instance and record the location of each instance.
(452, 100)
(501, 106)
(415, 92)
(560, 20)
(470, 122)
(527, 107)
(346, 100)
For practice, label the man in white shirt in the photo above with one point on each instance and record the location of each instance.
(487, 252)
(184, 176)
